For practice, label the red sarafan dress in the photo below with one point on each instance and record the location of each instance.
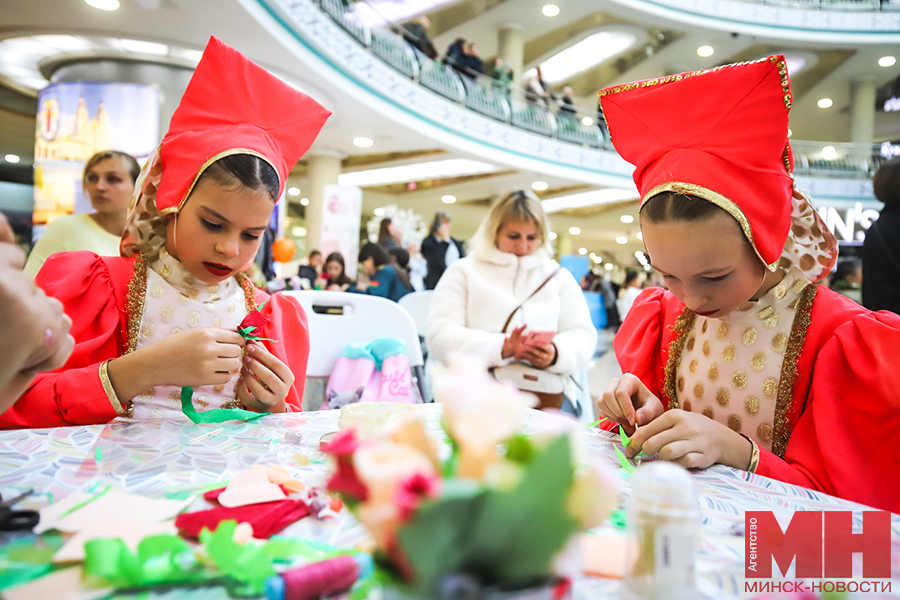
(121, 304)
(808, 376)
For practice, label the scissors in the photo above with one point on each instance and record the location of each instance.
(17, 520)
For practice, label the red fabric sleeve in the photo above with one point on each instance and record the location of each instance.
(287, 324)
(846, 441)
(74, 394)
(640, 345)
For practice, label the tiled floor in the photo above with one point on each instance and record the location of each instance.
(603, 366)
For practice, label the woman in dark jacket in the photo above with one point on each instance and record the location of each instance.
(439, 249)
(881, 249)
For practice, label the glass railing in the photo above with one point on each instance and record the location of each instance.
(838, 5)
(546, 115)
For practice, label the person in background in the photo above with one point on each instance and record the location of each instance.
(108, 181)
(454, 52)
(567, 103)
(35, 335)
(881, 249)
(388, 234)
(502, 71)
(311, 271)
(377, 274)
(470, 63)
(847, 278)
(418, 267)
(511, 265)
(334, 276)
(439, 249)
(416, 34)
(631, 289)
(536, 89)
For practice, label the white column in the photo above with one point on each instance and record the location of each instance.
(862, 126)
(324, 168)
(511, 47)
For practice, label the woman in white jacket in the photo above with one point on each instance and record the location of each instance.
(509, 258)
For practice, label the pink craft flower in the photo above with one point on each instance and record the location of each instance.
(343, 444)
(345, 481)
(253, 319)
(413, 490)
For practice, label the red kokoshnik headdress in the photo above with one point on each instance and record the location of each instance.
(231, 106)
(722, 135)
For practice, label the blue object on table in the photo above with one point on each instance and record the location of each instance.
(17, 520)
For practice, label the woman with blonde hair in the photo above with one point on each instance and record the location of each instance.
(508, 286)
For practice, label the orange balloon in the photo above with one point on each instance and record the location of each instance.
(283, 250)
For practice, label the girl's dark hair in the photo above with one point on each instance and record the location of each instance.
(666, 207)
(630, 275)
(439, 219)
(384, 230)
(339, 259)
(886, 183)
(244, 170)
(374, 251)
(401, 256)
(134, 169)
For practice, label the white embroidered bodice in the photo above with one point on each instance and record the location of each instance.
(176, 301)
(730, 367)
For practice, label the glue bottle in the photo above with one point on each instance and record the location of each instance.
(319, 579)
(663, 522)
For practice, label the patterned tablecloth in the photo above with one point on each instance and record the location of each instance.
(152, 458)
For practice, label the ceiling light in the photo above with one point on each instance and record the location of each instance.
(550, 10)
(575, 230)
(705, 51)
(608, 266)
(587, 121)
(379, 212)
(586, 199)
(448, 198)
(104, 4)
(582, 251)
(12, 158)
(539, 186)
(829, 152)
(597, 259)
(825, 103)
(142, 47)
(453, 167)
(362, 142)
(552, 235)
(621, 240)
(583, 55)
(293, 191)
(887, 61)
(304, 201)
(626, 219)
(640, 235)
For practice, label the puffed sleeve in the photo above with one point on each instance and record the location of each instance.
(639, 344)
(287, 324)
(75, 394)
(446, 330)
(577, 337)
(846, 441)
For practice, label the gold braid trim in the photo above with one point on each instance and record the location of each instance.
(782, 433)
(134, 303)
(122, 411)
(683, 325)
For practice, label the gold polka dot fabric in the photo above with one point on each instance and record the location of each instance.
(177, 302)
(811, 246)
(731, 371)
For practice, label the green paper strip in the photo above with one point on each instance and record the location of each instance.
(617, 519)
(98, 454)
(85, 502)
(216, 415)
(624, 461)
(625, 439)
(160, 559)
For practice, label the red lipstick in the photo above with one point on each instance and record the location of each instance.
(217, 269)
(706, 314)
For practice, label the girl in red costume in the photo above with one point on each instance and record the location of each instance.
(743, 361)
(164, 315)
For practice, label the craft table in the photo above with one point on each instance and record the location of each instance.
(158, 457)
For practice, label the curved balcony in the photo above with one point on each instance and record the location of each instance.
(478, 115)
(867, 21)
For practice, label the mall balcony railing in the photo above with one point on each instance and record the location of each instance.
(544, 115)
(837, 5)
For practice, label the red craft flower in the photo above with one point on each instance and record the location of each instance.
(343, 444)
(253, 319)
(345, 482)
(414, 490)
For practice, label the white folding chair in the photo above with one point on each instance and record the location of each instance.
(337, 319)
(418, 304)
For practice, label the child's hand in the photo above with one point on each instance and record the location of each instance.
(692, 440)
(512, 341)
(265, 380)
(203, 356)
(627, 401)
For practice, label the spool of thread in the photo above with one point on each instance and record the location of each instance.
(319, 579)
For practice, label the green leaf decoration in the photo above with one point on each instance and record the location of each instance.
(217, 415)
(248, 564)
(520, 450)
(625, 439)
(624, 461)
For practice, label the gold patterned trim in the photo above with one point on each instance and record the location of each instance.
(683, 325)
(220, 155)
(726, 204)
(785, 399)
(134, 303)
(754, 454)
(122, 411)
